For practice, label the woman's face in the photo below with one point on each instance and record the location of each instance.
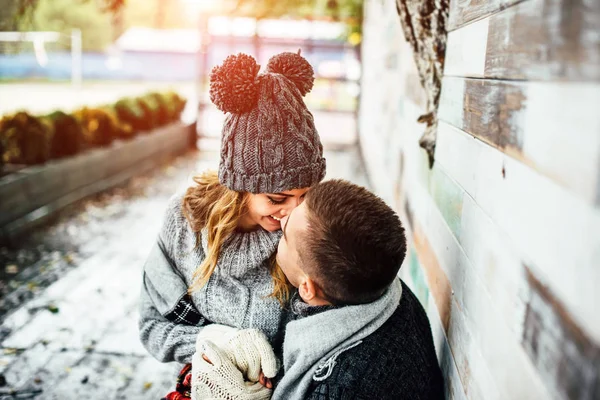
(267, 209)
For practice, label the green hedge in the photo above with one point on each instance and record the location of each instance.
(30, 139)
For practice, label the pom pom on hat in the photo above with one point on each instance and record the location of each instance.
(234, 85)
(294, 67)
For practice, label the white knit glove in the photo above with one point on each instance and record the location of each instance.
(248, 349)
(220, 378)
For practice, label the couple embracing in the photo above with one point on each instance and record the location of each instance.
(268, 282)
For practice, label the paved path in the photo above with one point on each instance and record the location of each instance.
(68, 306)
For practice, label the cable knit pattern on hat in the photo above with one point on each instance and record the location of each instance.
(235, 295)
(274, 146)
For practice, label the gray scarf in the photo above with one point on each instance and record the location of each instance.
(312, 344)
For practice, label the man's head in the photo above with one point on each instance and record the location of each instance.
(342, 245)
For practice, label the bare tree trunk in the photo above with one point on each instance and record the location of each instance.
(424, 26)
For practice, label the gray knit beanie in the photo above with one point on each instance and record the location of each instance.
(269, 143)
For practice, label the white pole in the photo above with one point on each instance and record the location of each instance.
(76, 60)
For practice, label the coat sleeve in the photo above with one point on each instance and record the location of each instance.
(169, 322)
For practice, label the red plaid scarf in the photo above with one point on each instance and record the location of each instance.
(184, 385)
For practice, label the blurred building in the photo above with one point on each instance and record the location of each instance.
(172, 55)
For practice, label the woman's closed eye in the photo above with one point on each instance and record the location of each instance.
(276, 201)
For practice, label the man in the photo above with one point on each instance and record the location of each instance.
(358, 332)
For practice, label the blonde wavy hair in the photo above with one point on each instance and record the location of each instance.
(210, 204)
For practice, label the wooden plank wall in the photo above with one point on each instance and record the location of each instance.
(505, 228)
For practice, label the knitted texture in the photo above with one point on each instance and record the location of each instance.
(312, 341)
(220, 379)
(269, 142)
(237, 294)
(397, 361)
(248, 349)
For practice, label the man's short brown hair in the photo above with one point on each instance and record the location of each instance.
(354, 244)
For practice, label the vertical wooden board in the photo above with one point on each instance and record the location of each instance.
(454, 108)
(448, 197)
(561, 129)
(452, 382)
(550, 227)
(464, 11)
(506, 360)
(419, 284)
(490, 110)
(598, 186)
(545, 40)
(497, 262)
(466, 49)
(552, 127)
(475, 377)
(460, 380)
(564, 355)
(537, 40)
(437, 280)
(412, 274)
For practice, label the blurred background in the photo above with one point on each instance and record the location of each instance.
(476, 121)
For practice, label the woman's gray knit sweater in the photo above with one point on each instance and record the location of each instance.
(236, 294)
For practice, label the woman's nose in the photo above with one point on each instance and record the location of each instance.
(285, 211)
(290, 205)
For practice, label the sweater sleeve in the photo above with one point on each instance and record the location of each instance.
(169, 322)
(165, 340)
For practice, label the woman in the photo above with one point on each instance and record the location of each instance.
(213, 262)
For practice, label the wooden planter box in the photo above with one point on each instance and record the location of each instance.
(32, 194)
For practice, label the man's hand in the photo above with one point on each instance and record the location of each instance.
(248, 349)
(219, 378)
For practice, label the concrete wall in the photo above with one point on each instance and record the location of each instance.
(505, 227)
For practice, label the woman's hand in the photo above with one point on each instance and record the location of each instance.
(262, 379)
(248, 349)
(215, 376)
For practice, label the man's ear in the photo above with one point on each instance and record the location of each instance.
(311, 293)
(307, 289)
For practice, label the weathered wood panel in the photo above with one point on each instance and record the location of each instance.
(485, 329)
(564, 355)
(464, 11)
(387, 58)
(516, 117)
(438, 283)
(534, 40)
(413, 275)
(454, 387)
(549, 226)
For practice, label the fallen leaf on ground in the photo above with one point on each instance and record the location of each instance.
(11, 269)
